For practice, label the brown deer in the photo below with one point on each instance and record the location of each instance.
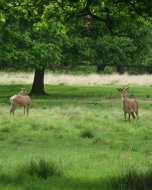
(21, 99)
(23, 92)
(130, 106)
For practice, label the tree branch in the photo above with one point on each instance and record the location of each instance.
(61, 5)
(15, 6)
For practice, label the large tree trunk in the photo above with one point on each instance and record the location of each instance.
(149, 69)
(100, 67)
(38, 83)
(120, 69)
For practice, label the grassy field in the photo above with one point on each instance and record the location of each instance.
(76, 138)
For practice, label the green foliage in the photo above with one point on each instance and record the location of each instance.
(92, 44)
(29, 46)
(109, 70)
(114, 50)
(141, 36)
(35, 35)
(49, 34)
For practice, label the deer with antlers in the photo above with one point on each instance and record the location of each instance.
(130, 106)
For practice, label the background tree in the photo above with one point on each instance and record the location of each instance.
(141, 36)
(91, 44)
(30, 47)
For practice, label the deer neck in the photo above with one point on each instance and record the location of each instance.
(123, 98)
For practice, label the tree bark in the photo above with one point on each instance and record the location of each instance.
(100, 67)
(149, 69)
(120, 69)
(38, 83)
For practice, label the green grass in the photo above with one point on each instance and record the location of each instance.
(75, 138)
(132, 179)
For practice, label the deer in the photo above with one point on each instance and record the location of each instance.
(21, 99)
(130, 106)
(23, 92)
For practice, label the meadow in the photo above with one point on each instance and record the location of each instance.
(75, 138)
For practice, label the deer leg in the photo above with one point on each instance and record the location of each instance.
(129, 117)
(24, 110)
(125, 115)
(132, 113)
(137, 114)
(27, 109)
(12, 109)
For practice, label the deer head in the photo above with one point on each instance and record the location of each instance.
(123, 91)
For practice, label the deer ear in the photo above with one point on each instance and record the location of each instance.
(119, 89)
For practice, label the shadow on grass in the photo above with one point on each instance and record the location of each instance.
(131, 180)
(62, 91)
(74, 91)
(53, 182)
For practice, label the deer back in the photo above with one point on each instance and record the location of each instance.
(130, 105)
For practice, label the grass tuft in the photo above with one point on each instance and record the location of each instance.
(16, 141)
(42, 169)
(35, 126)
(100, 141)
(5, 130)
(86, 134)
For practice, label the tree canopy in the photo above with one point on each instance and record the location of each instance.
(110, 12)
(38, 34)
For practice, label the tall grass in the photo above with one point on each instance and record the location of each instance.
(43, 169)
(86, 134)
(133, 180)
(80, 79)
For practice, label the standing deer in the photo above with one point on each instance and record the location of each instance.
(130, 106)
(21, 99)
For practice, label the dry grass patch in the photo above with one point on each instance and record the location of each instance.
(91, 79)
